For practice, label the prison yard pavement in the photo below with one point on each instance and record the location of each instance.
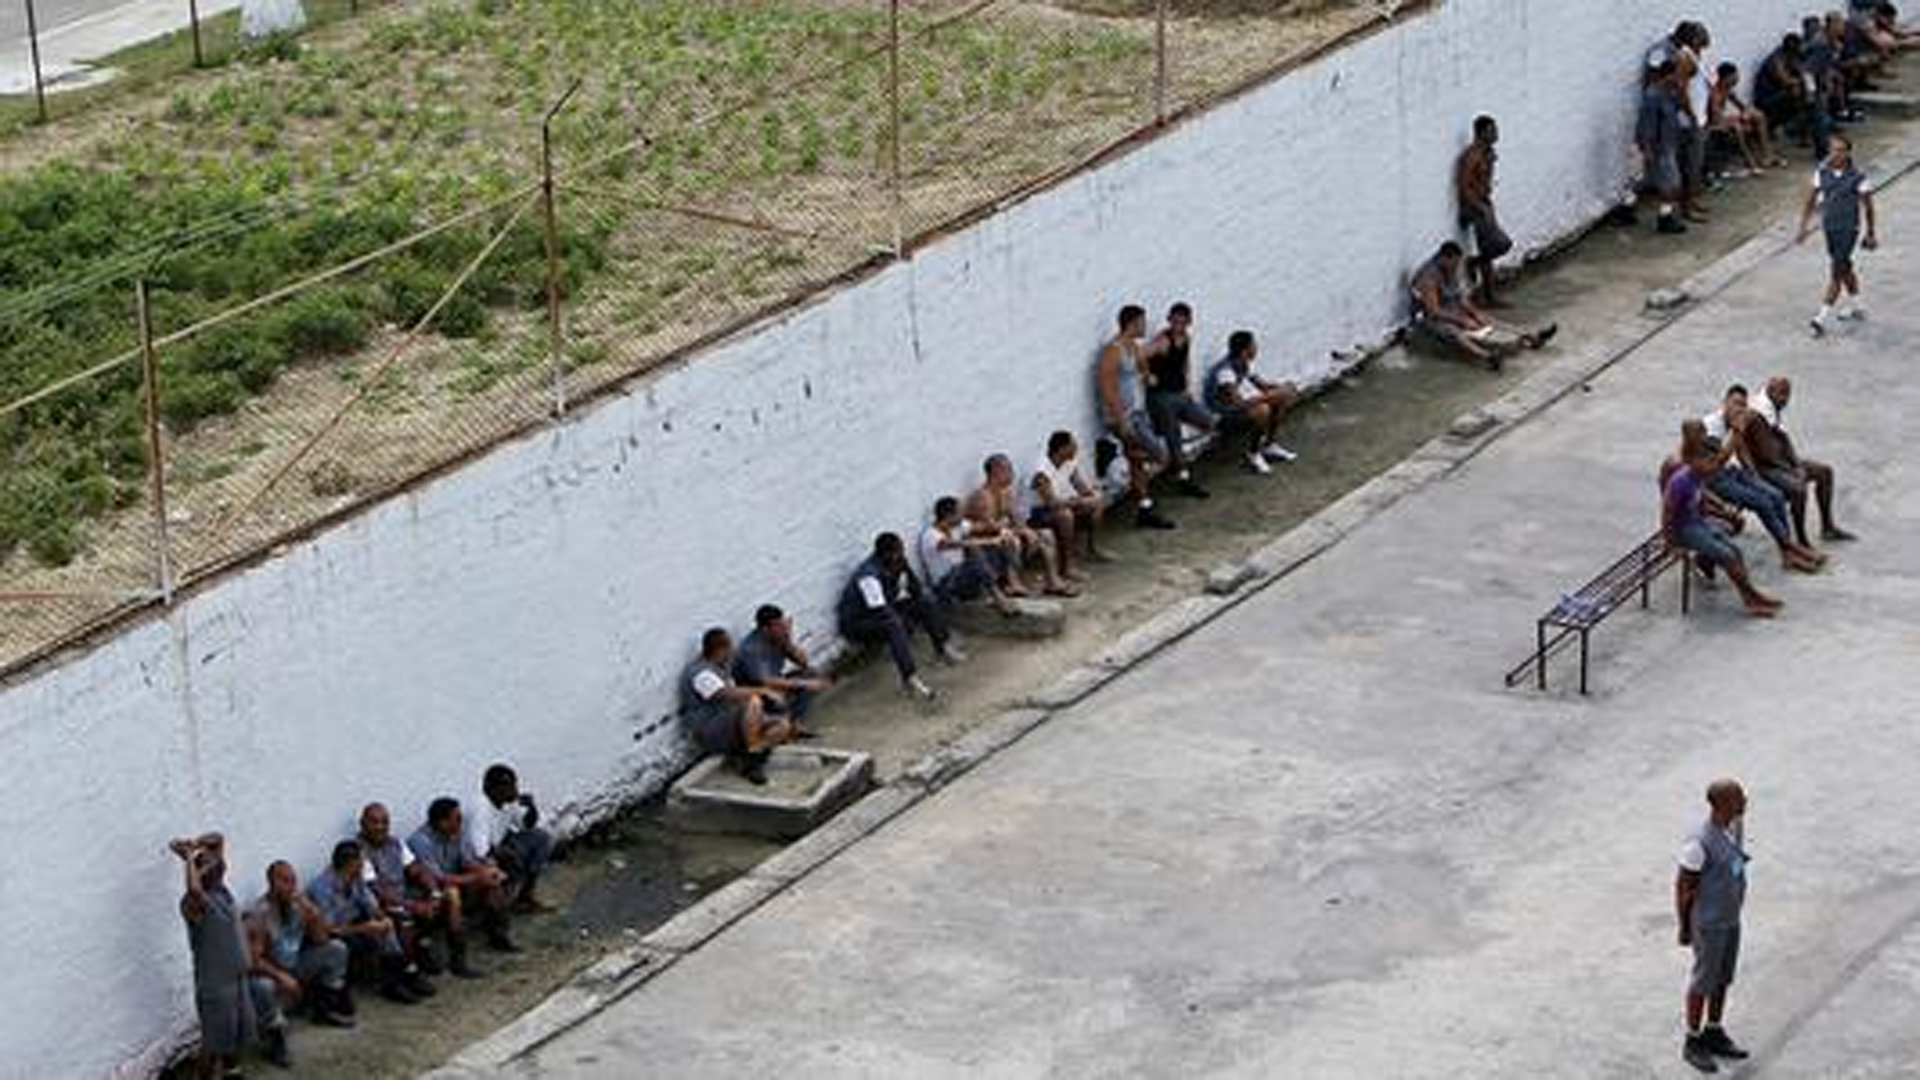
(1312, 834)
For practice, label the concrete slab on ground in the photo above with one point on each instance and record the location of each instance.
(1315, 837)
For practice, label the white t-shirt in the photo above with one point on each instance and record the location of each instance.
(366, 865)
(488, 824)
(707, 682)
(940, 560)
(1059, 477)
(1693, 854)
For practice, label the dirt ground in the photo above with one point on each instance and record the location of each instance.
(227, 493)
(636, 873)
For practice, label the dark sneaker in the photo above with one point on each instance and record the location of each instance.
(1720, 1044)
(460, 969)
(1836, 534)
(326, 1017)
(753, 767)
(399, 994)
(278, 1055)
(1149, 518)
(499, 942)
(1695, 1053)
(1671, 226)
(427, 963)
(419, 985)
(1186, 486)
(1546, 335)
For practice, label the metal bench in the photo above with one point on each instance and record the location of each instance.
(1578, 613)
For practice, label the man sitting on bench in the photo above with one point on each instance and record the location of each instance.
(1684, 522)
(1446, 319)
(1780, 464)
(1736, 482)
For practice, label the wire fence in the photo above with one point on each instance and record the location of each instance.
(320, 334)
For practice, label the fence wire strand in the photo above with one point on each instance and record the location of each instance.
(370, 303)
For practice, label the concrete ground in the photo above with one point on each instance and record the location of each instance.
(76, 33)
(1318, 838)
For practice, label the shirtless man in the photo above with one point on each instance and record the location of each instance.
(993, 512)
(1120, 376)
(1473, 188)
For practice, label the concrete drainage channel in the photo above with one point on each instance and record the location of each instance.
(623, 972)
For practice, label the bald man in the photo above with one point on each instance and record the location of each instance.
(1780, 463)
(1708, 894)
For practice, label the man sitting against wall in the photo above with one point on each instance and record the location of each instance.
(1250, 403)
(1444, 318)
(354, 916)
(993, 513)
(1170, 403)
(883, 604)
(961, 568)
(1065, 502)
(741, 723)
(769, 658)
(407, 893)
(505, 830)
(441, 845)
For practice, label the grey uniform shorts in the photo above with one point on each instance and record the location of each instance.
(1716, 953)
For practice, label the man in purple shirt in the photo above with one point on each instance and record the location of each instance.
(1684, 521)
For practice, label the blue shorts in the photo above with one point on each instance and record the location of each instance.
(1138, 431)
(1710, 544)
(1840, 247)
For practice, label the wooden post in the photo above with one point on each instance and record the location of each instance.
(896, 181)
(33, 48)
(156, 462)
(556, 337)
(1160, 61)
(193, 16)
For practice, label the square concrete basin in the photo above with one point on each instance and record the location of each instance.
(805, 786)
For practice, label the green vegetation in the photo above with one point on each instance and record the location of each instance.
(299, 156)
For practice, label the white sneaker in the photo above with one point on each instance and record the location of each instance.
(1853, 313)
(916, 687)
(1273, 451)
(951, 653)
(1258, 463)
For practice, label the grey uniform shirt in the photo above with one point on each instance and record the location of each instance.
(1719, 857)
(1841, 193)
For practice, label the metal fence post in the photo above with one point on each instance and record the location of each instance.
(156, 462)
(896, 181)
(556, 337)
(1160, 61)
(33, 47)
(193, 16)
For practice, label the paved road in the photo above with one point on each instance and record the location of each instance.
(74, 33)
(1318, 839)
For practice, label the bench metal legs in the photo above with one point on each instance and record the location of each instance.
(1540, 652)
(1686, 584)
(1583, 663)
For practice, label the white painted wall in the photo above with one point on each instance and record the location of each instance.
(538, 604)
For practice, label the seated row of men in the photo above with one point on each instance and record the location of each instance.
(370, 912)
(1738, 459)
(989, 546)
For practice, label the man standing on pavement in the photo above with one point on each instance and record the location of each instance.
(1473, 187)
(1708, 893)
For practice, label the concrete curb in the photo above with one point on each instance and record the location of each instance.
(621, 973)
